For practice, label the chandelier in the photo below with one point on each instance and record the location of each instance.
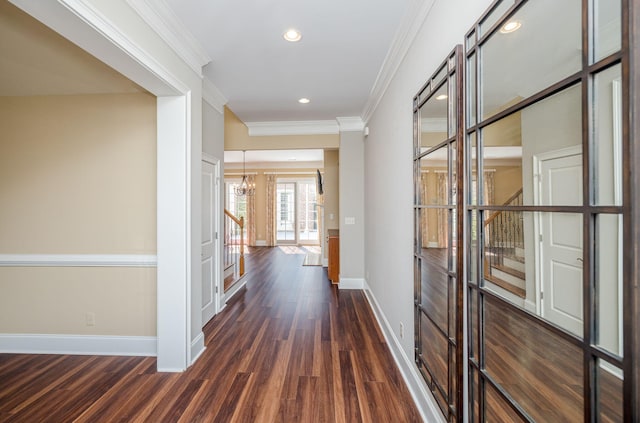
(244, 188)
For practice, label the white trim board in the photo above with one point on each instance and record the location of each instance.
(307, 127)
(235, 288)
(78, 344)
(351, 283)
(197, 347)
(78, 260)
(424, 400)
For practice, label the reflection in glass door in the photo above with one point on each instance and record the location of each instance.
(297, 212)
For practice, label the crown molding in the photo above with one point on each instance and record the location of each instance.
(271, 165)
(309, 127)
(347, 124)
(406, 34)
(161, 18)
(212, 95)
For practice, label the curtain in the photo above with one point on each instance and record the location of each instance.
(251, 213)
(271, 210)
(424, 217)
(443, 214)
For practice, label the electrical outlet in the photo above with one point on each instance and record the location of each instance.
(90, 318)
(401, 330)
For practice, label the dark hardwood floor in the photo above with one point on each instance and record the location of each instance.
(288, 348)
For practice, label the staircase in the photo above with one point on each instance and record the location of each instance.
(234, 250)
(504, 258)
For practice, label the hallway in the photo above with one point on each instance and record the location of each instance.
(288, 348)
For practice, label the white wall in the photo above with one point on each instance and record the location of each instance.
(389, 167)
(351, 181)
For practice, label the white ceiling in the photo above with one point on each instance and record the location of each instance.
(343, 47)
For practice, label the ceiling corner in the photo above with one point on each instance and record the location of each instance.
(352, 123)
(405, 35)
(161, 18)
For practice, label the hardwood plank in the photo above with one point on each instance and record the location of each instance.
(289, 347)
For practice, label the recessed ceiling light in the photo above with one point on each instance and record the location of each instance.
(304, 100)
(292, 35)
(510, 26)
(441, 97)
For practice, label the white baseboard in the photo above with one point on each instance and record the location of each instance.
(530, 306)
(78, 344)
(424, 400)
(235, 288)
(261, 243)
(197, 347)
(351, 283)
(432, 244)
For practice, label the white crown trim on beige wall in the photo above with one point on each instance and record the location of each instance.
(308, 127)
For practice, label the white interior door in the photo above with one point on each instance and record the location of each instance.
(209, 236)
(561, 242)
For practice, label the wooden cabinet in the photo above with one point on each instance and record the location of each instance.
(334, 256)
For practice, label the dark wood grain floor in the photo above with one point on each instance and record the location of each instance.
(289, 348)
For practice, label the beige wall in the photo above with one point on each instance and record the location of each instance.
(507, 180)
(55, 300)
(78, 176)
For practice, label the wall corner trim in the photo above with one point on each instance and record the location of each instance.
(212, 95)
(197, 347)
(161, 18)
(350, 124)
(351, 283)
(424, 400)
(78, 344)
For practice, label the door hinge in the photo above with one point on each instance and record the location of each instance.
(540, 237)
(542, 295)
(216, 235)
(216, 289)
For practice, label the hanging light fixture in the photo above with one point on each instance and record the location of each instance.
(244, 188)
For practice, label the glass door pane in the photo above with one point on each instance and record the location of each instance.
(307, 213)
(285, 212)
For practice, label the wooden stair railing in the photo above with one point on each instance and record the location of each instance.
(231, 234)
(504, 236)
